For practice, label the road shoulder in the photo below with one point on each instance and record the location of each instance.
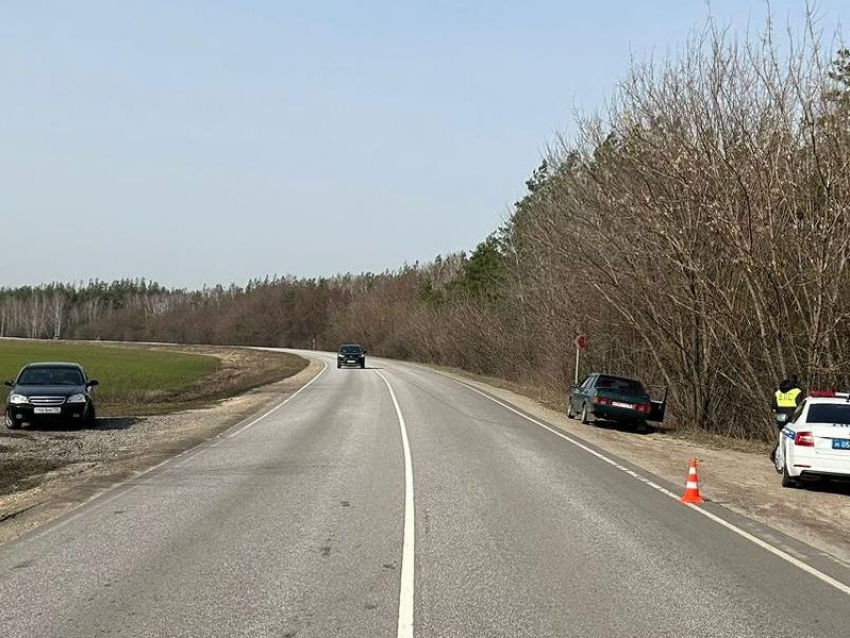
(121, 448)
(742, 481)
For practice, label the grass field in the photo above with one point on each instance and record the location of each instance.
(138, 384)
(128, 376)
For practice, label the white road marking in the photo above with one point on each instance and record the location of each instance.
(281, 404)
(121, 488)
(405, 597)
(829, 580)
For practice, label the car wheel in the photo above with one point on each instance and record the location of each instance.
(363, 366)
(338, 365)
(788, 480)
(10, 423)
(91, 418)
(570, 413)
(585, 415)
(778, 459)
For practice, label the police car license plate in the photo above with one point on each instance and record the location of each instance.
(47, 410)
(620, 404)
(841, 444)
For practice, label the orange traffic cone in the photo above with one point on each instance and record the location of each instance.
(692, 487)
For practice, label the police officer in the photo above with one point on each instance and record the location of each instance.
(785, 401)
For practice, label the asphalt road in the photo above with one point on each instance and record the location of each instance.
(295, 526)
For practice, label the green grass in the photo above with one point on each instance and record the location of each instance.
(127, 376)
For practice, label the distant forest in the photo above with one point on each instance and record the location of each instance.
(697, 230)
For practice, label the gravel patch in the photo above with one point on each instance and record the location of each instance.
(46, 471)
(745, 481)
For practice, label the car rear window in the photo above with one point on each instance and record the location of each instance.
(829, 413)
(618, 384)
(50, 376)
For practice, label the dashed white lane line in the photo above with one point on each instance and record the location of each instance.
(829, 580)
(405, 597)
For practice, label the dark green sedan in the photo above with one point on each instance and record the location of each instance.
(612, 398)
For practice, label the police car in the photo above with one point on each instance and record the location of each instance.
(815, 443)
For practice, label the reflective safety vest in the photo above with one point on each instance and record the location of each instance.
(787, 399)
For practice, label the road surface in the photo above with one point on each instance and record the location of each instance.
(298, 524)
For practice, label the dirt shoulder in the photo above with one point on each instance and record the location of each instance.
(240, 370)
(738, 476)
(49, 471)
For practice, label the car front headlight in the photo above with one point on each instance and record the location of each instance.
(76, 398)
(18, 399)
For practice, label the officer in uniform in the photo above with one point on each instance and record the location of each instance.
(785, 401)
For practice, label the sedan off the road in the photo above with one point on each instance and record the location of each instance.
(613, 398)
(55, 391)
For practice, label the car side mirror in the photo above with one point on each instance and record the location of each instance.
(92, 383)
(365, 352)
(10, 384)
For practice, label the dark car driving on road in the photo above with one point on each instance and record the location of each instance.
(56, 391)
(613, 398)
(351, 354)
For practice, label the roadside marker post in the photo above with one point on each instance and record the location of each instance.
(581, 344)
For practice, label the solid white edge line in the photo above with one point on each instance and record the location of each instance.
(281, 404)
(405, 596)
(120, 489)
(829, 580)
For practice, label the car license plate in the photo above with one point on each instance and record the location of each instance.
(47, 410)
(841, 444)
(619, 404)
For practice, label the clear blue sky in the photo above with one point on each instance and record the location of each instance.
(194, 141)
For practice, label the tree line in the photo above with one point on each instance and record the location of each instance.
(696, 230)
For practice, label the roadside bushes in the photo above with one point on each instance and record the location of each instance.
(696, 229)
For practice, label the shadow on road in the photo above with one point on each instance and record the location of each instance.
(117, 423)
(629, 428)
(827, 486)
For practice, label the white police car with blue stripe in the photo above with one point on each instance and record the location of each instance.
(815, 443)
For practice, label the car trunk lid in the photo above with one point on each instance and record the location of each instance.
(830, 439)
(624, 400)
